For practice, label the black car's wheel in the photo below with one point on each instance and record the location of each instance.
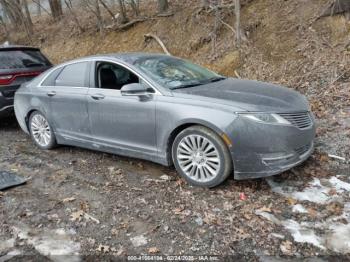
(41, 131)
(201, 157)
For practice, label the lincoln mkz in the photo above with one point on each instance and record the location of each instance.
(169, 111)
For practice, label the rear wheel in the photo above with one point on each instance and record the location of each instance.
(201, 157)
(41, 131)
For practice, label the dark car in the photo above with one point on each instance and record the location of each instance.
(18, 64)
(170, 111)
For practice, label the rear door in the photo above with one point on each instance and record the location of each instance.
(68, 105)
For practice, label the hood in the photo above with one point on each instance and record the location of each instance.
(248, 95)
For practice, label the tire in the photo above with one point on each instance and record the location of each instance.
(205, 167)
(41, 131)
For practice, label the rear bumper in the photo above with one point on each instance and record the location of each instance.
(6, 106)
(262, 150)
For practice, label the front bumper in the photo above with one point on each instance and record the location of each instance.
(262, 150)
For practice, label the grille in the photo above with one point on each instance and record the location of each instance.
(302, 150)
(301, 120)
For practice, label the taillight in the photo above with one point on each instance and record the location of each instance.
(6, 79)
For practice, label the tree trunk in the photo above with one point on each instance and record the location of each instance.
(163, 6)
(98, 16)
(56, 9)
(238, 22)
(11, 12)
(28, 17)
(135, 7)
(124, 19)
(38, 8)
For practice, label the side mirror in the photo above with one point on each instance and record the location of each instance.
(135, 89)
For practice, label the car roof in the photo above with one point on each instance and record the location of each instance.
(130, 57)
(17, 47)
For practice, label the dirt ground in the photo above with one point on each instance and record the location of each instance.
(81, 204)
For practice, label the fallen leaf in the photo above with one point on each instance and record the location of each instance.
(228, 206)
(312, 212)
(291, 201)
(265, 209)
(77, 216)
(104, 249)
(153, 250)
(178, 210)
(286, 248)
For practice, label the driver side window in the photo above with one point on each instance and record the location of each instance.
(113, 76)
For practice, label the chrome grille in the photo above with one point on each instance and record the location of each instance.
(301, 120)
(302, 150)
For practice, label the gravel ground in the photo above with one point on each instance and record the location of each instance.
(83, 203)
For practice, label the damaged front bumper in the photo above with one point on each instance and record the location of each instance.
(277, 164)
(262, 150)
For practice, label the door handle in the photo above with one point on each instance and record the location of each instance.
(98, 96)
(51, 93)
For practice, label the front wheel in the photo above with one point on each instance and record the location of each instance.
(41, 131)
(201, 157)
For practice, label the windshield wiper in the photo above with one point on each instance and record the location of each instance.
(187, 85)
(207, 81)
(216, 79)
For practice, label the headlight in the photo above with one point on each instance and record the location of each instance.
(266, 118)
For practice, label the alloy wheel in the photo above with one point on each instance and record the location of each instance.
(198, 158)
(40, 130)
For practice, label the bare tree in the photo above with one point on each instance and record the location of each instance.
(94, 7)
(56, 9)
(107, 9)
(75, 18)
(238, 22)
(124, 19)
(27, 16)
(135, 6)
(163, 6)
(11, 11)
(38, 8)
(14, 12)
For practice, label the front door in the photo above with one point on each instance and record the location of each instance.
(126, 123)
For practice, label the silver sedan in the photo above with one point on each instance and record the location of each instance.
(170, 111)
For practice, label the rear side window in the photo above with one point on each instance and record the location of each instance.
(73, 75)
(50, 79)
(16, 59)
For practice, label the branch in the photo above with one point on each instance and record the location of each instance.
(129, 24)
(41, 6)
(150, 36)
(107, 8)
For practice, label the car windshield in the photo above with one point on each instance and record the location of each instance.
(14, 59)
(175, 73)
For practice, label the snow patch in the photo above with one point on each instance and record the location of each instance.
(56, 244)
(139, 241)
(314, 192)
(298, 208)
(332, 233)
(300, 233)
